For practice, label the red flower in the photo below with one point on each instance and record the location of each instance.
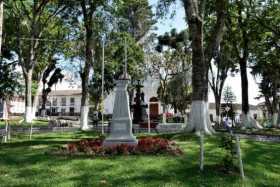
(146, 145)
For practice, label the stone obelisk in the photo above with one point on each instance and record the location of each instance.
(121, 126)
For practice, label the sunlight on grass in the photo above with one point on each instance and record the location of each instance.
(24, 163)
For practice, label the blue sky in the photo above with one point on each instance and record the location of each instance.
(178, 22)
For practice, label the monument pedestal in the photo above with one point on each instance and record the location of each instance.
(121, 126)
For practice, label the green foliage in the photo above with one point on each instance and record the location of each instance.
(229, 96)
(135, 55)
(265, 56)
(114, 63)
(9, 81)
(228, 144)
(179, 92)
(135, 17)
(172, 67)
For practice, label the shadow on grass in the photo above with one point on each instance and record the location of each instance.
(28, 161)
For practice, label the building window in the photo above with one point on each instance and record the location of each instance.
(72, 101)
(63, 111)
(63, 101)
(54, 111)
(54, 101)
(72, 111)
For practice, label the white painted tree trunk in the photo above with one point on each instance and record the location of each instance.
(6, 131)
(164, 114)
(278, 121)
(249, 122)
(84, 118)
(246, 121)
(28, 114)
(274, 119)
(28, 97)
(164, 118)
(186, 119)
(36, 100)
(199, 120)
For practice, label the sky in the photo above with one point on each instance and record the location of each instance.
(178, 22)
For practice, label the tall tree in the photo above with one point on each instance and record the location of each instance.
(32, 20)
(196, 11)
(174, 66)
(222, 63)
(163, 68)
(135, 17)
(265, 56)
(85, 35)
(241, 32)
(88, 11)
(179, 93)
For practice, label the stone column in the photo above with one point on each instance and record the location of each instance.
(121, 126)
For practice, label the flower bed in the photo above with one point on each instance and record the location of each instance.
(146, 145)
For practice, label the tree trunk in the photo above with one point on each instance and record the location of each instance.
(44, 101)
(84, 100)
(36, 99)
(85, 81)
(244, 85)
(199, 112)
(246, 119)
(278, 121)
(200, 119)
(164, 113)
(28, 96)
(218, 106)
(268, 106)
(275, 105)
(1, 24)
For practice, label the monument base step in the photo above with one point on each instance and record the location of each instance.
(114, 142)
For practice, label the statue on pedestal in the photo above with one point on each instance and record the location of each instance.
(139, 108)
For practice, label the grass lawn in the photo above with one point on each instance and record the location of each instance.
(24, 163)
(36, 123)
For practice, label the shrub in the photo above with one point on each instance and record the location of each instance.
(228, 143)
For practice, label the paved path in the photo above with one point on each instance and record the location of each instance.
(261, 138)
